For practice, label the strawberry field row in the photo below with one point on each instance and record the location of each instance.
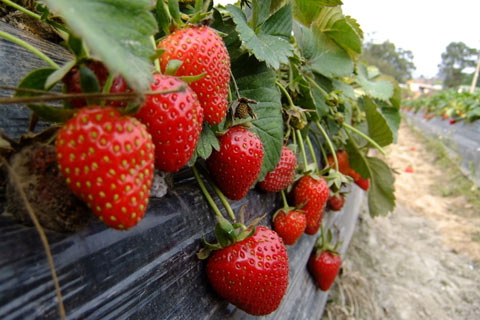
(460, 139)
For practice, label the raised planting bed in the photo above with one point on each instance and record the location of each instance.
(462, 140)
(150, 271)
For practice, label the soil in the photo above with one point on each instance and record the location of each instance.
(420, 262)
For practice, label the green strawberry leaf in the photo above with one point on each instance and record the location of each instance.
(52, 114)
(323, 55)
(88, 80)
(347, 90)
(378, 128)
(307, 11)
(393, 118)
(257, 82)
(260, 12)
(206, 143)
(268, 47)
(34, 80)
(381, 195)
(116, 31)
(280, 23)
(344, 30)
(59, 73)
(381, 89)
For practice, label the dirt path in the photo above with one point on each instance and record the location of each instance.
(422, 261)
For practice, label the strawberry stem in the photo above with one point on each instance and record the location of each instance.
(205, 192)
(302, 149)
(329, 143)
(29, 47)
(315, 84)
(286, 94)
(22, 9)
(111, 96)
(364, 136)
(220, 194)
(312, 151)
(284, 200)
(156, 61)
(224, 201)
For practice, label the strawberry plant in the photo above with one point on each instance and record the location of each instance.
(224, 89)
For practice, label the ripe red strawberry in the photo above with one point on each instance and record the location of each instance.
(290, 225)
(409, 169)
(251, 274)
(363, 183)
(107, 160)
(313, 195)
(237, 164)
(452, 121)
(175, 122)
(283, 174)
(72, 83)
(324, 266)
(202, 50)
(336, 202)
(343, 161)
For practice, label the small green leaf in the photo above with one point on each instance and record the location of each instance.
(343, 34)
(163, 16)
(207, 142)
(59, 73)
(323, 55)
(117, 31)
(88, 80)
(34, 80)
(172, 67)
(174, 10)
(307, 11)
(52, 114)
(76, 45)
(257, 82)
(381, 196)
(378, 128)
(190, 79)
(393, 118)
(381, 89)
(272, 49)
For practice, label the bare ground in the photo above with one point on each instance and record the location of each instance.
(422, 261)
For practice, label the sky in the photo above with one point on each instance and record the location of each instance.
(425, 27)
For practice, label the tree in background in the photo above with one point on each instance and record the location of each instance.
(390, 60)
(456, 58)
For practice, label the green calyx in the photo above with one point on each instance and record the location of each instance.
(227, 234)
(325, 242)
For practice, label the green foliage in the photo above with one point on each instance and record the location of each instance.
(268, 43)
(36, 80)
(322, 55)
(378, 128)
(381, 89)
(118, 31)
